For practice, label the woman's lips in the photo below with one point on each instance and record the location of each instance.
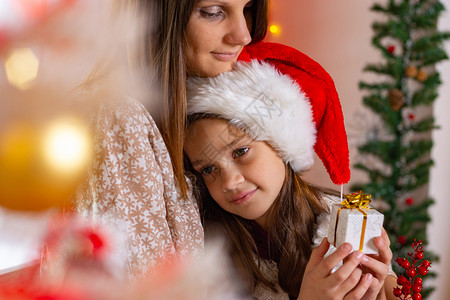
(242, 197)
(226, 56)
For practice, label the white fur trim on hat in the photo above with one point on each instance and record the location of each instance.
(269, 106)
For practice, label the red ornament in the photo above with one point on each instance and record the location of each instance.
(411, 272)
(418, 255)
(416, 288)
(418, 281)
(426, 263)
(406, 264)
(422, 270)
(411, 117)
(417, 296)
(401, 280)
(391, 49)
(409, 201)
(401, 239)
(397, 292)
(406, 290)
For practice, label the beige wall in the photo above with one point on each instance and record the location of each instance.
(337, 34)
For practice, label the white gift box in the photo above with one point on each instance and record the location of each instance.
(349, 228)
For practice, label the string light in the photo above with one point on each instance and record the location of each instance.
(274, 29)
(21, 68)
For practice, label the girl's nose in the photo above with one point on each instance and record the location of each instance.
(231, 178)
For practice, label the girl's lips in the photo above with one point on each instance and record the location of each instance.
(242, 197)
(225, 56)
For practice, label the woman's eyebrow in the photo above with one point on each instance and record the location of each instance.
(215, 1)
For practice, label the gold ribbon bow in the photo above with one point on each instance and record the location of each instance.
(357, 201)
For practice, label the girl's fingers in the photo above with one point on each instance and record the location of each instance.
(382, 243)
(351, 281)
(379, 269)
(360, 290)
(317, 255)
(327, 264)
(348, 267)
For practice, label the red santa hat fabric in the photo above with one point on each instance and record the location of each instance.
(316, 83)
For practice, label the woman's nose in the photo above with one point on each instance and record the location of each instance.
(238, 32)
(231, 178)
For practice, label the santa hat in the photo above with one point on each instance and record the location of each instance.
(267, 105)
(316, 83)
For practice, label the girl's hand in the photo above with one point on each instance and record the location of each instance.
(378, 266)
(347, 282)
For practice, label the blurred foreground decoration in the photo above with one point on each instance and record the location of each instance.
(48, 50)
(41, 162)
(44, 146)
(82, 261)
(21, 67)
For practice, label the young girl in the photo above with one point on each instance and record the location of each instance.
(250, 133)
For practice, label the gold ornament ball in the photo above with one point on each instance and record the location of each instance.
(28, 182)
(411, 71)
(422, 75)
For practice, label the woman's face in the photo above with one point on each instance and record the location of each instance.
(216, 33)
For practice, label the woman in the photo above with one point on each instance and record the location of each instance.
(133, 180)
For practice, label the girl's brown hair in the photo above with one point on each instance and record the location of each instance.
(291, 220)
(162, 51)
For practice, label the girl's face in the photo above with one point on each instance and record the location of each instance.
(216, 33)
(242, 175)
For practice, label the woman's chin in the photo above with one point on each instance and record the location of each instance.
(213, 69)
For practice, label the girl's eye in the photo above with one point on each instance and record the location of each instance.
(207, 170)
(211, 12)
(240, 152)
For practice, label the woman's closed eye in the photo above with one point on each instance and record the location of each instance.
(211, 12)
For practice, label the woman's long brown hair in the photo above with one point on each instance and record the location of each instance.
(162, 51)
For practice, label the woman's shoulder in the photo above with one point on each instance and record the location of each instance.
(123, 111)
(124, 121)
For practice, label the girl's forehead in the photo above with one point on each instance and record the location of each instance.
(215, 127)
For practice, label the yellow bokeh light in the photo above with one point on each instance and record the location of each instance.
(21, 68)
(274, 29)
(67, 145)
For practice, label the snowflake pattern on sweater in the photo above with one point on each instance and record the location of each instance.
(132, 180)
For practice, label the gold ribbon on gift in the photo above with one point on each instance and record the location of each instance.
(357, 201)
